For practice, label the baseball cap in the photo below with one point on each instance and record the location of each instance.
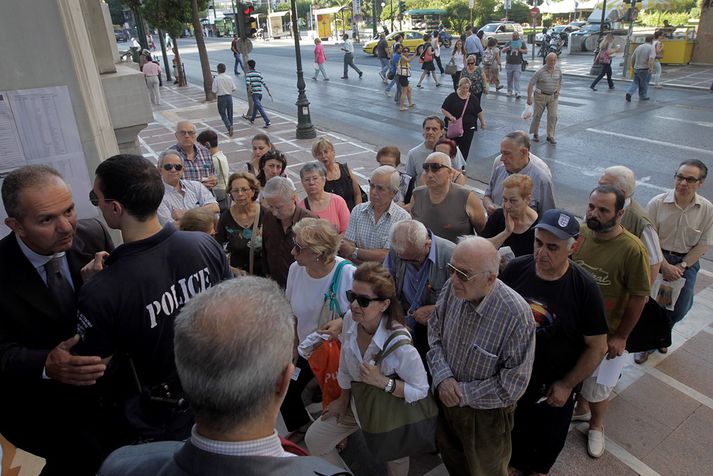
(560, 223)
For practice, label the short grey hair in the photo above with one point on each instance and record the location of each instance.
(407, 232)
(278, 187)
(491, 265)
(313, 167)
(624, 178)
(165, 154)
(394, 177)
(440, 155)
(232, 343)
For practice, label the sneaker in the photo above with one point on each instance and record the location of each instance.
(551, 140)
(628, 97)
(360, 74)
(266, 125)
(595, 443)
(535, 138)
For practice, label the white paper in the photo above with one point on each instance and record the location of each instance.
(666, 293)
(609, 370)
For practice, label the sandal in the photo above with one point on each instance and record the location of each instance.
(412, 104)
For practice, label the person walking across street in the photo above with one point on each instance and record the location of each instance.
(545, 84)
(393, 68)
(152, 71)
(607, 48)
(255, 83)
(348, 49)
(491, 64)
(427, 67)
(458, 58)
(514, 51)
(319, 60)
(658, 52)
(383, 52)
(437, 51)
(237, 56)
(643, 62)
(473, 45)
(223, 87)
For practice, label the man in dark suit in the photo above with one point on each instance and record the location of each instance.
(40, 262)
(233, 347)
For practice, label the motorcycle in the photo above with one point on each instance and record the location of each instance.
(556, 43)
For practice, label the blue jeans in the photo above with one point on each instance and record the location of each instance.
(685, 299)
(384, 66)
(257, 107)
(640, 81)
(238, 61)
(225, 109)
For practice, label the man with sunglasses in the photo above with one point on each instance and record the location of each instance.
(197, 161)
(684, 222)
(180, 195)
(40, 376)
(482, 340)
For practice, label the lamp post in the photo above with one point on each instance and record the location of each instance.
(305, 129)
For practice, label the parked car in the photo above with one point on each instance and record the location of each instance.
(578, 24)
(121, 36)
(412, 39)
(566, 29)
(501, 31)
(588, 36)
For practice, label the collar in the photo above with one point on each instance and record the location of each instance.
(171, 188)
(37, 260)
(379, 337)
(127, 249)
(480, 308)
(267, 446)
(670, 197)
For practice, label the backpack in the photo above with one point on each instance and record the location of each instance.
(488, 56)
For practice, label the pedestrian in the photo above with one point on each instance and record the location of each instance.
(437, 51)
(474, 73)
(383, 53)
(658, 50)
(464, 105)
(607, 48)
(152, 73)
(426, 57)
(348, 49)
(515, 49)
(473, 45)
(319, 59)
(491, 64)
(403, 71)
(255, 83)
(545, 84)
(458, 58)
(393, 65)
(236, 54)
(642, 60)
(223, 87)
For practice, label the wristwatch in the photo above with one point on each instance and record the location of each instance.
(390, 386)
(355, 254)
(683, 264)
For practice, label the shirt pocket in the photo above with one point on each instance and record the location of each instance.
(691, 236)
(483, 362)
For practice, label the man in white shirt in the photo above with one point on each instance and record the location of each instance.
(348, 49)
(223, 87)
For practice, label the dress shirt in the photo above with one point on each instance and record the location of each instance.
(546, 81)
(412, 276)
(473, 45)
(488, 348)
(39, 261)
(680, 229)
(366, 233)
(543, 197)
(404, 361)
(348, 46)
(267, 446)
(199, 168)
(223, 85)
(151, 69)
(194, 195)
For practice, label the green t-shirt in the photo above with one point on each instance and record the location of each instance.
(619, 266)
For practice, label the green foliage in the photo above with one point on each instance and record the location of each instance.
(548, 20)
(519, 12)
(457, 15)
(656, 18)
(169, 15)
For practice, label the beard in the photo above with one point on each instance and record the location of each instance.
(595, 225)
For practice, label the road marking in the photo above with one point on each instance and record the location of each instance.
(652, 141)
(686, 121)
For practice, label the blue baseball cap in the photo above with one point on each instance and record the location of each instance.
(560, 223)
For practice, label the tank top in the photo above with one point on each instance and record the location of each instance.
(342, 186)
(447, 219)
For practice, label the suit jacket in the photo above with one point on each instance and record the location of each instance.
(173, 458)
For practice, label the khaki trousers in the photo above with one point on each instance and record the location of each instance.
(543, 101)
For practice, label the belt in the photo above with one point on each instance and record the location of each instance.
(546, 94)
(674, 253)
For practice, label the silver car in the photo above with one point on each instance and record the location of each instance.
(501, 31)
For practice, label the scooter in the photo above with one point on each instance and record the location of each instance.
(556, 43)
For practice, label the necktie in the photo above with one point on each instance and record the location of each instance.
(60, 288)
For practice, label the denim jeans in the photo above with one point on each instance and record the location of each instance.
(640, 81)
(384, 65)
(257, 107)
(238, 61)
(225, 109)
(513, 74)
(685, 299)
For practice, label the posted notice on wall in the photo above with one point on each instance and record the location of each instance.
(37, 126)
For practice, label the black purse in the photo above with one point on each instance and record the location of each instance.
(523, 65)
(652, 331)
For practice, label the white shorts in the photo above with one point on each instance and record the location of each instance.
(594, 392)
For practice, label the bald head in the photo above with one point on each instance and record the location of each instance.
(475, 268)
(439, 158)
(479, 253)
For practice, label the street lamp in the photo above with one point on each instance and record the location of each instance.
(305, 129)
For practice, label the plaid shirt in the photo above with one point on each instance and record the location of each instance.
(488, 348)
(366, 233)
(199, 168)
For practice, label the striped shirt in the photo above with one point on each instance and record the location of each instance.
(267, 446)
(199, 168)
(366, 233)
(488, 348)
(194, 195)
(546, 81)
(254, 80)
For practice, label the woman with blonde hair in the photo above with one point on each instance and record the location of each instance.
(403, 71)
(607, 48)
(319, 60)
(340, 179)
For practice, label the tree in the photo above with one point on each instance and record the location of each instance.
(518, 12)
(171, 17)
(202, 52)
(116, 10)
(457, 15)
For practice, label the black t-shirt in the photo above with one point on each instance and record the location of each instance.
(565, 311)
(521, 244)
(454, 104)
(129, 307)
(381, 47)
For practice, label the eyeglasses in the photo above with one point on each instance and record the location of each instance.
(95, 200)
(363, 301)
(461, 275)
(433, 167)
(379, 188)
(470, 62)
(186, 133)
(170, 167)
(240, 190)
(681, 178)
(298, 246)
(311, 179)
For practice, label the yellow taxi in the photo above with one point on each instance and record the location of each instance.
(412, 39)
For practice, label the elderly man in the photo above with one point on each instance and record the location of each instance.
(515, 158)
(233, 346)
(418, 262)
(197, 162)
(643, 61)
(127, 310)
(514, 56)
(571, 340)
(546, 84)
(367, 236)
(40, 376)
(277, 238)
(180, 195)
(620, 266)
(449, 210)
(482, 339)
(433, 129)
(684, 222)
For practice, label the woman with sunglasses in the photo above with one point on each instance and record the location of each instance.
(316, 242)
(476, 76)
(466, 105)
(374, 314)
(325, 205)
(240, 227)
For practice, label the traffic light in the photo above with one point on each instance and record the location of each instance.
(248, 24)
(402, 7)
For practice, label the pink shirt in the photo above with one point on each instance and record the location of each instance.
(151, 69)
(336, 212)
(319, 57)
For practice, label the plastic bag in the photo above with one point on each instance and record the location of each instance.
(528, 112)
(666, 293)
(324, 363)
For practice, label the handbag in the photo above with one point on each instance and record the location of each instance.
(390, 75)
(393, 428)
(451, 67)
(652, 331)
(455, 127)
(330, 308)
(523, 65)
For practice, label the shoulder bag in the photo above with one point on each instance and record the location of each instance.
(393, 428)
(330, 308)
(455, 127)
(451, 67)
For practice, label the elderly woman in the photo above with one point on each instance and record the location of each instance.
(180, 195)
(316, 266)
(240, 226)
(463, 104)
(449, 146)
(325, 205)
(447, 209)
(340, 179)
(260, 146)
(513, 225)
(374, 314)
(391, 155)
(476, 75)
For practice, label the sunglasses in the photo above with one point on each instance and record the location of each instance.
(95, 200)
(363, 301)
(461, 275)
(170, 167)
(434, 167)
(471, 62)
